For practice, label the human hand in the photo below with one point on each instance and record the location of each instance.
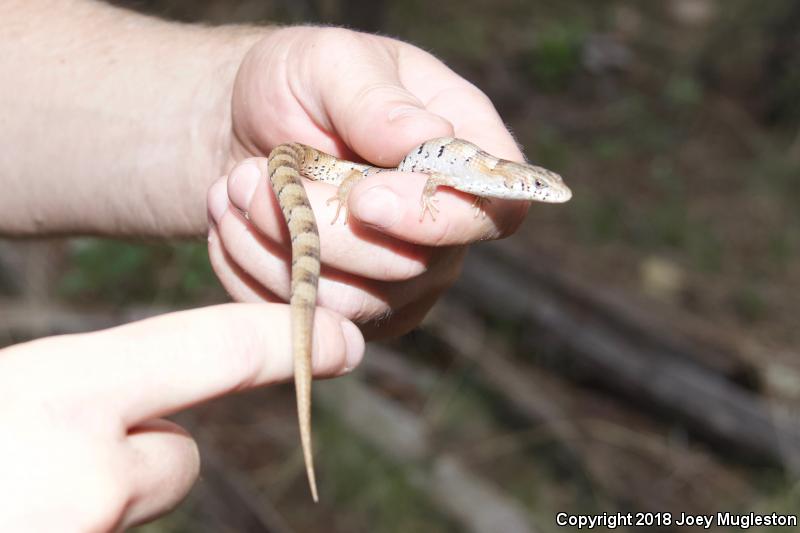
(349, 93)
(90, 451)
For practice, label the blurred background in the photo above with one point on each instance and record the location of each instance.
(636, 349)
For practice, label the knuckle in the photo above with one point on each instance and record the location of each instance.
(342, 37)
(474, 92)
(102, 503)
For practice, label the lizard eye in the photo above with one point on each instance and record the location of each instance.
(539, 184)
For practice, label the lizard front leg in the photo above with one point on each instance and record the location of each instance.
(478, 206)
(427, 200)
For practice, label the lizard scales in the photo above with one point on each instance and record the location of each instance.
(447, 161)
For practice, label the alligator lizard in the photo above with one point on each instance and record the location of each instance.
(448, 162)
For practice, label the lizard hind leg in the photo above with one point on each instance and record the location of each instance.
(343, 193)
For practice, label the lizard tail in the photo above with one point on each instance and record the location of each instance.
(302, 322)
(284, 173)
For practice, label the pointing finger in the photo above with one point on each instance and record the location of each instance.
(158, 366)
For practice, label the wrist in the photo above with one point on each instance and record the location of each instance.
(213, 147)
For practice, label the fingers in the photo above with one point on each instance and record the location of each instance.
(251, 270)
(164, 463)
(401, 321)
(86, 402)
(447, 94)
(366, 101)
(164, 364)
(333, 88)
(247, 261)
(241, 286)
(390, 202)
(375, 97)
(388, 96)
(359, 262)
(346, 247)
(387, 202)
(347, 92)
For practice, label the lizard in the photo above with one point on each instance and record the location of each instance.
(448, 162)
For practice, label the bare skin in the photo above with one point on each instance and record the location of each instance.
(384, 270)
(137, 128)
(114, 136)
(90, 450)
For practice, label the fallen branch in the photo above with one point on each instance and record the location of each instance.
(476, 504)
(598, 346)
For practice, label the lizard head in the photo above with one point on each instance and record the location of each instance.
(529, 182)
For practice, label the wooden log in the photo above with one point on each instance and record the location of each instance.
(597, 345)
(476, 504)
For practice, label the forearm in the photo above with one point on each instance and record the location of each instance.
(111, 122)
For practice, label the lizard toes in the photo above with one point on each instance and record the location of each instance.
(339, 207)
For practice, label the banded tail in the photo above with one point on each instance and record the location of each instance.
(284, 175)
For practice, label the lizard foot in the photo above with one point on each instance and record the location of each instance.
(342, 204)
(427, 200)
(478, 206)
(429, 206)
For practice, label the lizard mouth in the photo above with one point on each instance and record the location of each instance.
(558, 196)
(564, 196)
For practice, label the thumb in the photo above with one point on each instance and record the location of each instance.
(371, 109)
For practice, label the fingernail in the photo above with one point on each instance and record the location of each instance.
(355, 344)
(378, 206)
(242, 184)
(218, 200)
(405, 111)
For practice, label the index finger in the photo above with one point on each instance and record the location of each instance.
(161, 365)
